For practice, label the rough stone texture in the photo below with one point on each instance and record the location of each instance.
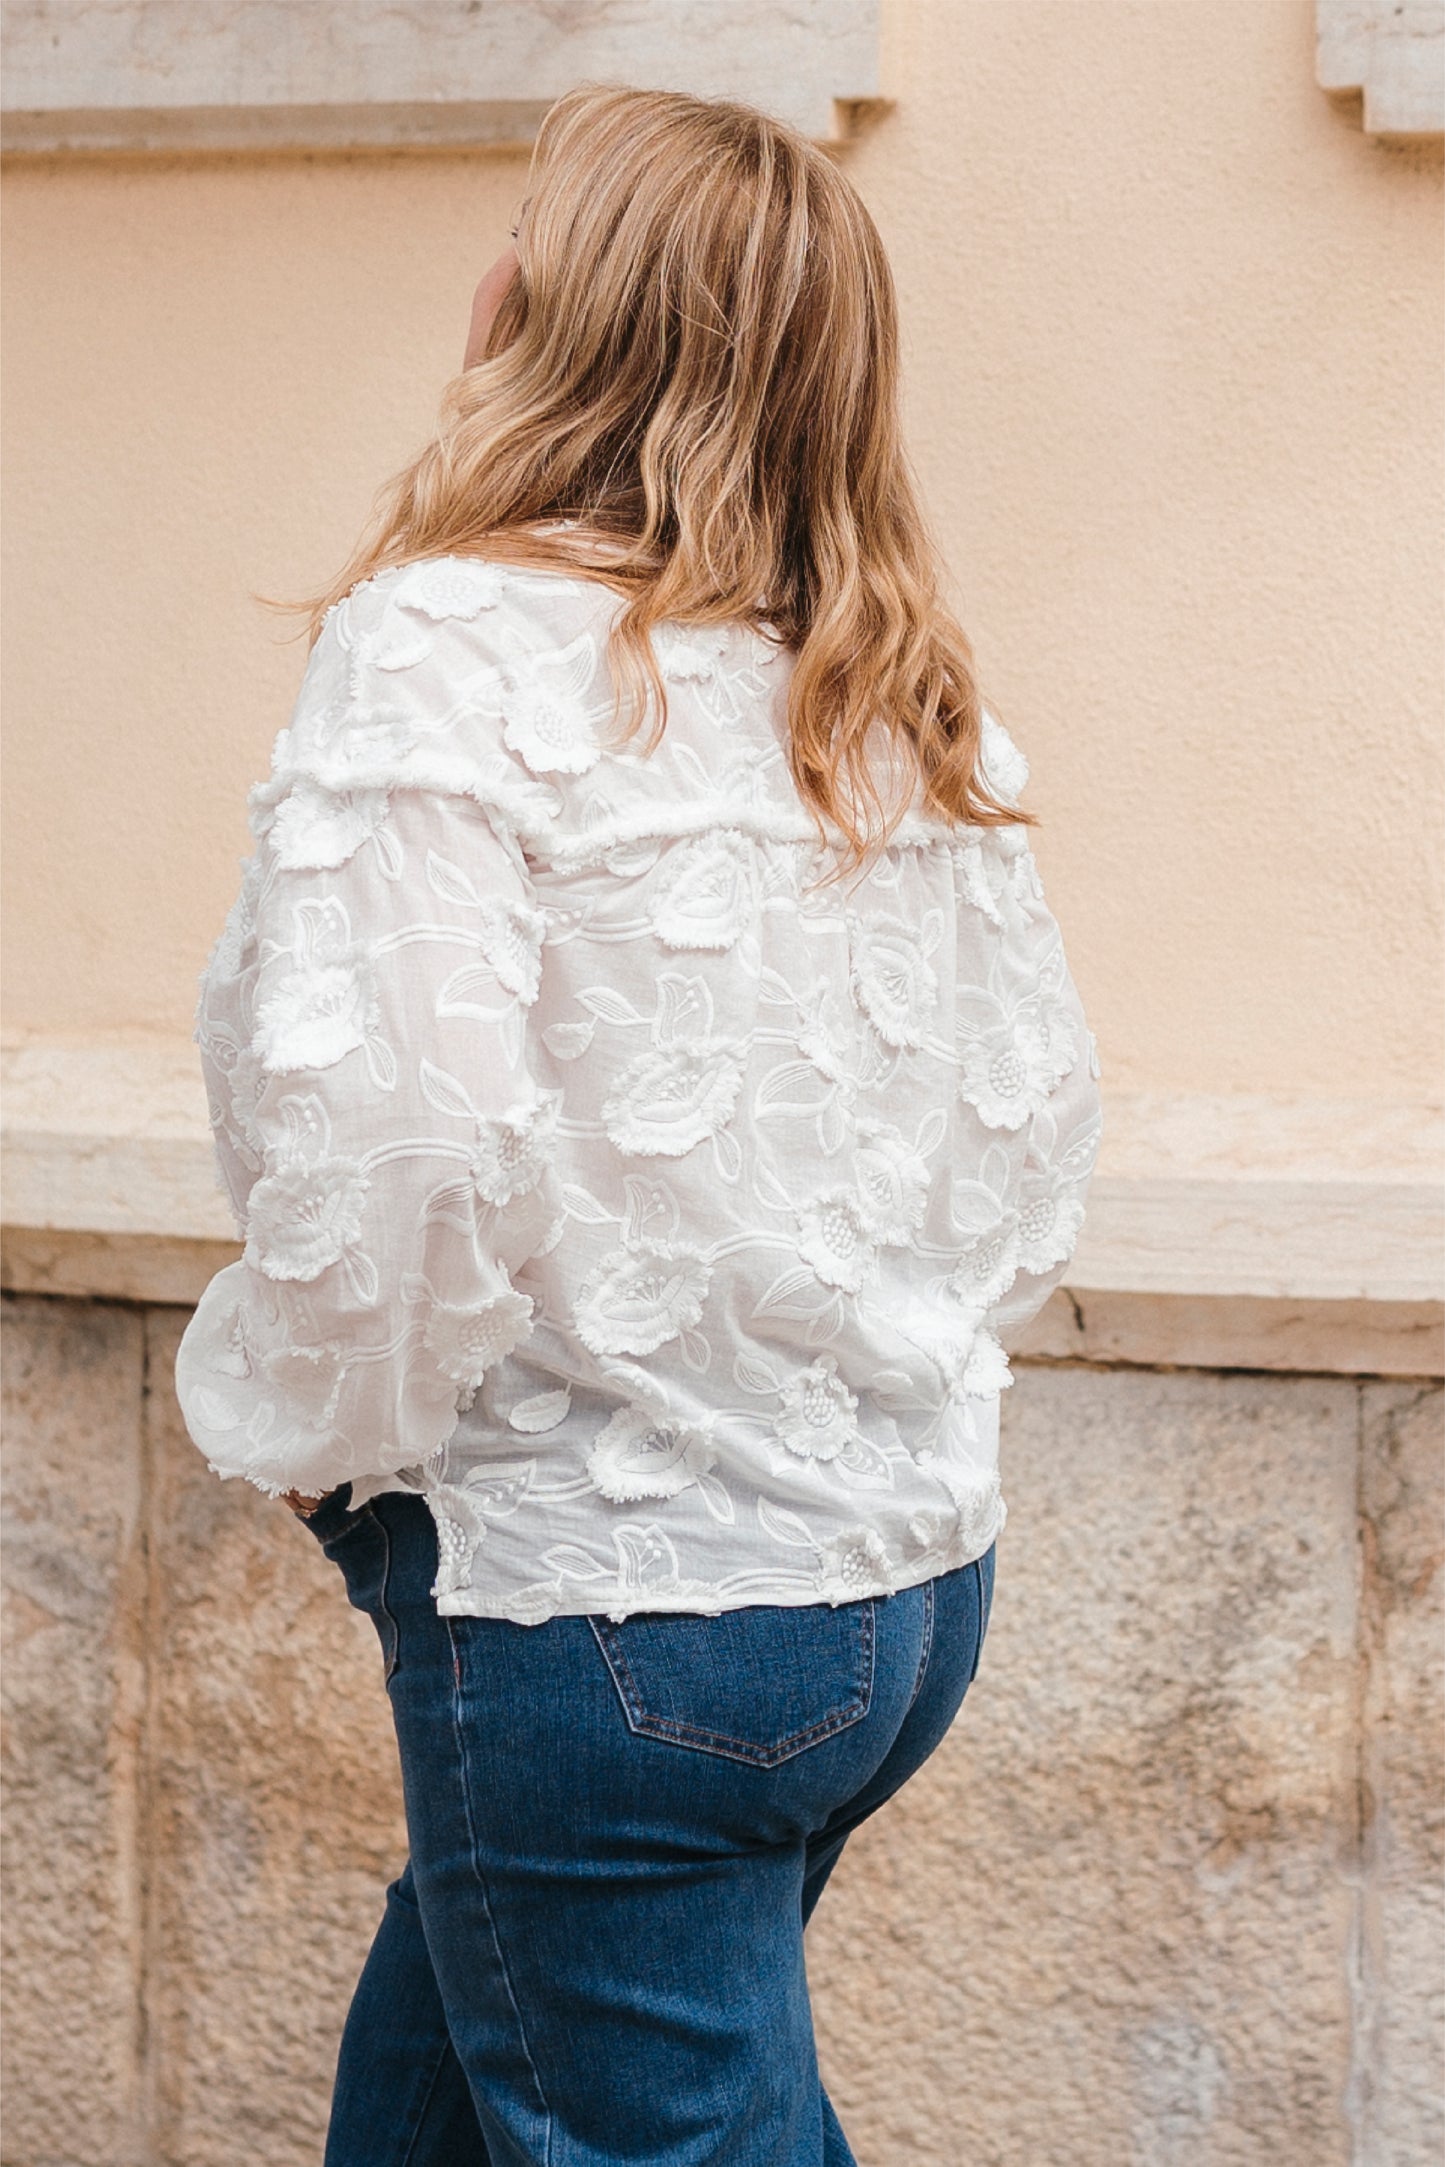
(275, 1808)
(72, 1941)
(1169, 1895)
(1400, 2068)
(1110, 1921)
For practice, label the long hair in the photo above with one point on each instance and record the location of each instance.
(690, 393)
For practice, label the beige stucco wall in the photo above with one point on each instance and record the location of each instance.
(1174, 330)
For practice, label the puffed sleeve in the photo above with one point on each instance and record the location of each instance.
(364, 1033)
(1031, 1073)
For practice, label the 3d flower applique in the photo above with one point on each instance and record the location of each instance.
(817, 1416)
(975, 1493)
(857, 1561)
(512, 942)
(1006, 768)
(893, 1181)
(316, 1014)
(672, 1097)
(309, 1378)
(444, 587)
(982, 871)
(461, 1531)
(377, 741)
(896, 985)
(304, 1214)
(836, 1238)
(1050, 1217)
(465, 1508)
(319, 829)
(966, 1356)
(546, 717)
(514, 1150)
(641, 1454)
(1012, 1054)
(986, 1371)
(706, 892)
(988, 1266)
(231, 1349)
(467, 1342)
(638, 1299)
(689, 654)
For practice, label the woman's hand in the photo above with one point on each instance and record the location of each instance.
(300, 1504)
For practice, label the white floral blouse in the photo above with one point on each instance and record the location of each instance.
(652, 1207)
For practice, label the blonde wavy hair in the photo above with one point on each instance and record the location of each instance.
(696, 368)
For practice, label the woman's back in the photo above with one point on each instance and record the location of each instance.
(702, 1180)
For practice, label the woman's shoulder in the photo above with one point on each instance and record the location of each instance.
(481, 590)
(457, 674)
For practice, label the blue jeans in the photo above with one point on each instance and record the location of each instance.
(618, 1831)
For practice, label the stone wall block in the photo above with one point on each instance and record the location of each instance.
(1400, 2086)
(72, 1611)
(275, 1817)
(1112, 1919)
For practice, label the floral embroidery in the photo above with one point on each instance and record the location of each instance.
(304, 1214)
(705, 899)
(452, 587)
(638, 1299)
(512, 942)
(857, 1561)
(670, 1098)
(311, 1377)
(1050, 1216)
(837, 1239)
(468, 1342)
(987, 1268)
(896, 986)
(637, 1455)
(975, 1491)
(1013, 1054)
(316, 1014)
(817, 1417)
(656, 1136)
(689, 654)
(513, 1152)
(319, 828)
(1005, 766)
(986, 1371)
(547, 720)
(893, 1181)
(228, 952)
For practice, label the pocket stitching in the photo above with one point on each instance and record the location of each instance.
(670, 1730)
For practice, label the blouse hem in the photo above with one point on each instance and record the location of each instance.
(616, 1602)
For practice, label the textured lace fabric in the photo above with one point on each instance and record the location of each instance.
(652, 1203)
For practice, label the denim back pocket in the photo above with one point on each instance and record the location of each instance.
(361, 1548)
(757, 1685)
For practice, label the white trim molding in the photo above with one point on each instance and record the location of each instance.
(104, 75)
(1391, 54)
(1233, 1233)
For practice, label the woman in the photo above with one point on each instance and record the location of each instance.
(648, 1082)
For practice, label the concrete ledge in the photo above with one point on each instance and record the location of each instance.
(1184, 1331)
(1224, 1233)
(175, 75)
(1391, 55)
(114, 1267)
(464, 124)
